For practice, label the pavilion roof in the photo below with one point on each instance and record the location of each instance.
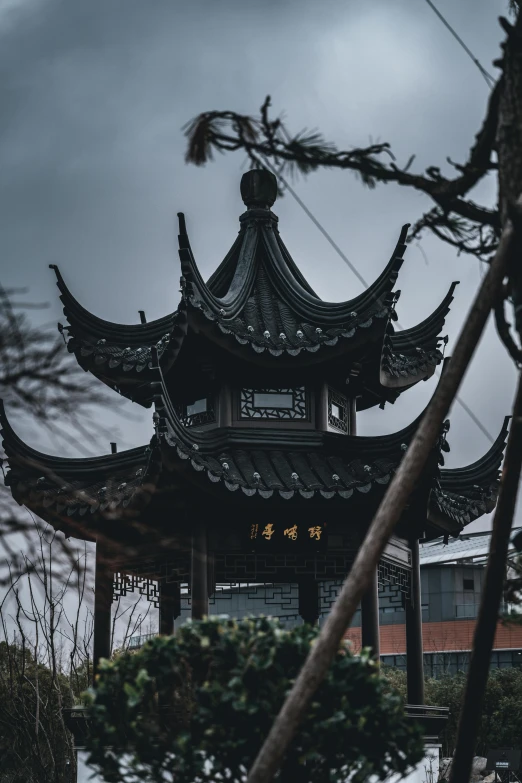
(257, 305)
(465, 494)
(121, 354)
(302, 465)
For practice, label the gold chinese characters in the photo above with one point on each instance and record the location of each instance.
(292, 533)
(269, 531)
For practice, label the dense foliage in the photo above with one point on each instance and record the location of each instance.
(198, 705)
(501, 724)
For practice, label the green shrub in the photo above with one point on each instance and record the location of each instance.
(501, 722)
(211, 693)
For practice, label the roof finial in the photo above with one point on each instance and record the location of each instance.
(258, 188)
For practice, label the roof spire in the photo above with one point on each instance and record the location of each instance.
(258, 188)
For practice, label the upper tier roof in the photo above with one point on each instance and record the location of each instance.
(258, 306)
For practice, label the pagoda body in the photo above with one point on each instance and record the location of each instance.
(255, 474)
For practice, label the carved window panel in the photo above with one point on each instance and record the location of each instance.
(198, 412)
(273, 403)
(338, 411)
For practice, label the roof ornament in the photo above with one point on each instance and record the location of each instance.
(256, 476)
(258, 189)
(282, 336)
(183, 287)
(250, 328)
(266, 334)
(300, 334)
(62, 329)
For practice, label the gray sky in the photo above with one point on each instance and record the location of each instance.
(94, 95)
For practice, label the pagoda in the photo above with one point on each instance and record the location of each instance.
(254, 474)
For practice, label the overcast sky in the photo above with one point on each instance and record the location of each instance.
(94, 97)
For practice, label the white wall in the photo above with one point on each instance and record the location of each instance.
(427, 771)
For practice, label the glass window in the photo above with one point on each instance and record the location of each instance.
(273, 400)
(273, 403)
(337, 411)
(198, 412)
(469, 584)
(200, 406)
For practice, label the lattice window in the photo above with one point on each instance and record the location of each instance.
(390, 573)
(127, 583)
(273, 403)
(197, 413)
(338, 416)
(253, 567)
(243, 599)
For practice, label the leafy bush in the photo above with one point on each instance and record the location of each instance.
(501, 724)
(198, 705)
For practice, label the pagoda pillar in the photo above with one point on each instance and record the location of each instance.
(353, 416)
(370, 617)
(169, 606)
(102, 606)
(414, 652)
(199, 573)
(309, 599)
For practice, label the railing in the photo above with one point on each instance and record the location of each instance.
(432, 719)
(138, 641)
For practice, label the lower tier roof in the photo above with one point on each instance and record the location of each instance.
(240, 466)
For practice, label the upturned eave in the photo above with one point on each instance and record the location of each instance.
(121, 355)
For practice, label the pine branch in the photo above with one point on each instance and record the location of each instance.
(262, 137)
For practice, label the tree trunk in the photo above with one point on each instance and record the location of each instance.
(316, 665)
(509, 151)
(483, 641)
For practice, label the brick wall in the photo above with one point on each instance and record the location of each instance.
(439, 637)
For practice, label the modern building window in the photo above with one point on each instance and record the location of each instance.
(468, 584)
(439, 664)
(337, 411)
(273, 403)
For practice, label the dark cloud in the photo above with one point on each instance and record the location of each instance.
(94, 96)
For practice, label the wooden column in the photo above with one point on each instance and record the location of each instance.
(102, 606)
(169, 607)
(199, 573)
(414, 653)
(225, 405)
(321, 407)
(353, 416)
(309, 599)
(370, 617)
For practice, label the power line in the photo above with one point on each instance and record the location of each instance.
(488, 78)
(360, 277)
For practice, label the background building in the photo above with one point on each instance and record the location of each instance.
(452, 576)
